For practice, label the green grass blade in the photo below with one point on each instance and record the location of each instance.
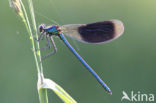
(58, 90)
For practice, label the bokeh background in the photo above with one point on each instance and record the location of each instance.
(128, 63)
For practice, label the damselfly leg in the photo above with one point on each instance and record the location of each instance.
(54, 48)
(40, 37)
(49, 45)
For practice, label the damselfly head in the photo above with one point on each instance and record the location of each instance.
(42, 28)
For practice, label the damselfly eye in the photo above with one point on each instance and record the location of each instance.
(41, 28)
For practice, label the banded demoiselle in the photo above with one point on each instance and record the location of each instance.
(94, 33)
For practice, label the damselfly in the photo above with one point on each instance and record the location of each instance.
(96, 33)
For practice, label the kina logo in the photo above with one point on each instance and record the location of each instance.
(137, 97)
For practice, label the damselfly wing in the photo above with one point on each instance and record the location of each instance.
(98, 32)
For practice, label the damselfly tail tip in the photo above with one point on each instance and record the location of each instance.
(110, 93)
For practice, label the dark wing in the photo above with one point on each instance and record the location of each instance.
(99, 32)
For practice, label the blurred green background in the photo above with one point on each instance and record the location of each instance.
(128, 63)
